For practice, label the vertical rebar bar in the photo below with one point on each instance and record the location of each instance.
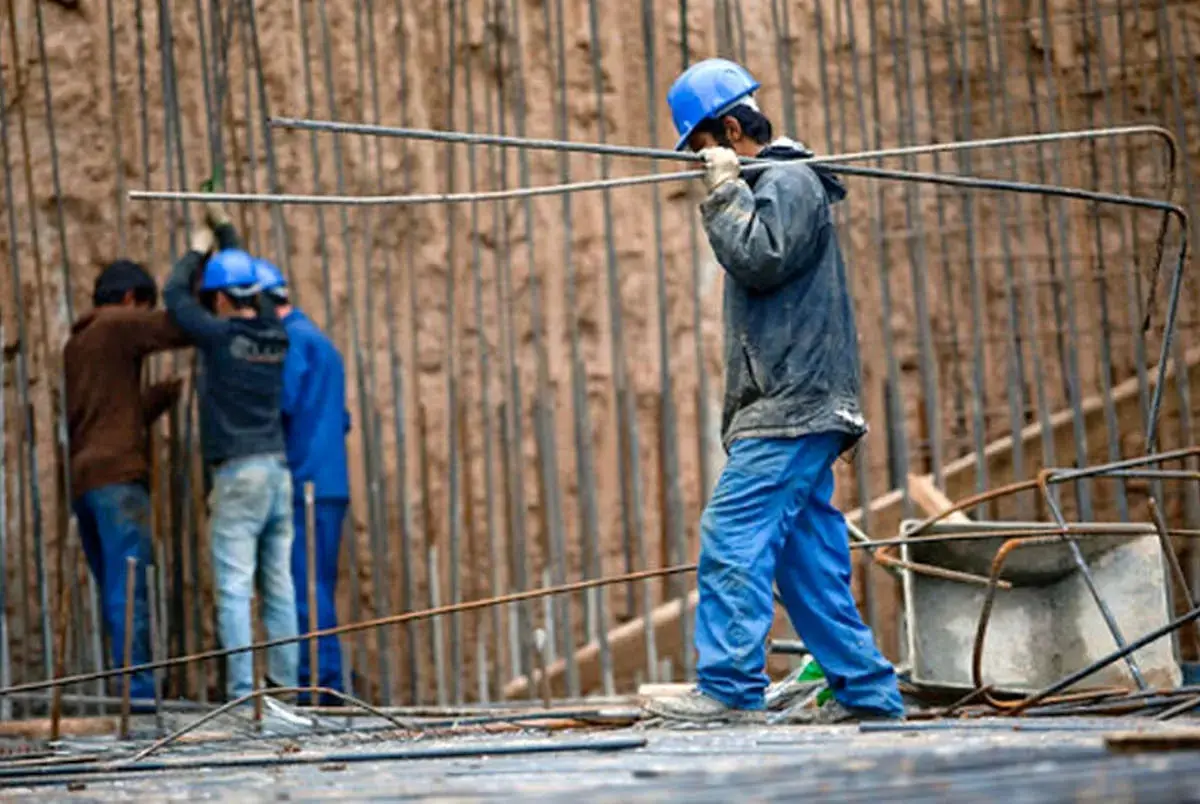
(28, 439)
(1126, 183)
(376, 490)
(365, 418)
(485, 399)
(543, 423)
(115, 115)
(1072, 375)
(597, 605)
(5, 656)
(282, 246)
(862, 464)
(514, 465)
(703, 419)
(408, 533)
(669, 432)
(1182, 385)
(131, 571)
(898, 28)
(450, 361)
(629, 474)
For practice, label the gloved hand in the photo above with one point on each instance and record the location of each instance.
(203, 240)
(720, 165)
(215, 214)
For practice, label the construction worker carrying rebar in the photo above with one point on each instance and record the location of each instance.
(108, 416)
(315, 423)
(242, 345)
(791, 409)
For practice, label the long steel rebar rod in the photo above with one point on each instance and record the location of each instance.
(548, 144)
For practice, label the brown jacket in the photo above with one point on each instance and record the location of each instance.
(107, 410)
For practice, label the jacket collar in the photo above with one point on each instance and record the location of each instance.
(784, 148)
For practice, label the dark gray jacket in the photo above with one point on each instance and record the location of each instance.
(242, 366)
(791, 347)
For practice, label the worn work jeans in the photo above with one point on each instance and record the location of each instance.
(114, 526)
(329, 515)
(770, 519)
(251, 530)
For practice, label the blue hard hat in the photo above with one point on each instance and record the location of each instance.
(704, 91)
(232, 271)
(270, 279)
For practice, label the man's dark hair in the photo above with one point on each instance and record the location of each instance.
(120, 278)
(754, 123)
(208, 298)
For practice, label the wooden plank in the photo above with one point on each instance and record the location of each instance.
(932, 500)
(1132, 742)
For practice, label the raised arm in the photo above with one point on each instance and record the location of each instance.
(761, 236)
(201, 326)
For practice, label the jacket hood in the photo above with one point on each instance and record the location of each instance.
(783, 149)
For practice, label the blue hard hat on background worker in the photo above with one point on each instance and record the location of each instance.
(271, 280)
(315, 423)
(230, 271)
(704, 91)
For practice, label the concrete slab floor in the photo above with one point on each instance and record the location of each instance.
(984, 760)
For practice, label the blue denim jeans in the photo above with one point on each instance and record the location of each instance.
(250, 521)
(114, 525)
(770, 519)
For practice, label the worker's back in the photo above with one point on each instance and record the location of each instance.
(240, 390)
(242, 370)
(107, 410)
(315, 419)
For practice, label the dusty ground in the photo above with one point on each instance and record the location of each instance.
(978, 761)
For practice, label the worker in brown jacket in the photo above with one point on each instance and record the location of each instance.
(108, 416)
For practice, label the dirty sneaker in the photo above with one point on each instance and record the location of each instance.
(696, 707)
(833, 713)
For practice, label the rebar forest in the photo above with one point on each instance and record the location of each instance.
(471, 198)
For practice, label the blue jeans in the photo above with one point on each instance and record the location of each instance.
(114, 525)
(250, 521)
(770, 519)
(329, 515)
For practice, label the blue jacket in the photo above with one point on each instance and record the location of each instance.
(791, 347)
(315, 419)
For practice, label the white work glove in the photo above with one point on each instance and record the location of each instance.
(215, 214)
(203, 241)
(720, 165)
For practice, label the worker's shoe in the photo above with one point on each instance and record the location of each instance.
(834, 713)
(696, 707)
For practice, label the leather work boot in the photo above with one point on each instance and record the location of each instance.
(696, 707)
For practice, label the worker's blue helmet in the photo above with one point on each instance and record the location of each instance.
(270, 279)
(706, 90)
(231, 271)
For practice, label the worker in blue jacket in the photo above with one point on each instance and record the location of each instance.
(791, 409)
(315, 423)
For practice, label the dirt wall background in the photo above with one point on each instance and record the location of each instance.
(422, 293)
